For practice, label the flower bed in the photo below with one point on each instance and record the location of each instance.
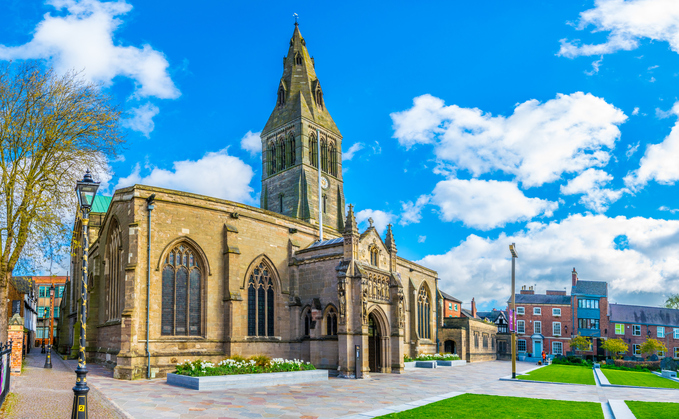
(437, 357)
(237, 365)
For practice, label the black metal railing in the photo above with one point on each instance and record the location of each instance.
(5, 369)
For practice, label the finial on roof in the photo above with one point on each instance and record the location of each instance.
(350, 226)
(389, 240)
(296, 16)
(370, 220)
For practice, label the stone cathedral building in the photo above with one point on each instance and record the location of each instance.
(227, 278)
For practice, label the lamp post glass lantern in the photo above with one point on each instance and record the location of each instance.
(86, 190)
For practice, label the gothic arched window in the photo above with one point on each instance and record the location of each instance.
(281, 96)
(114, 268)
(298, 59)
(260, 302)
(271, 159)
(181, 299)
(307, 323)
(374, 256)
(290, 151)
(331, 322)
(324, 156)
(319, 98)
(423, 306)
(333, 160)
(281, 154)
(313, 151)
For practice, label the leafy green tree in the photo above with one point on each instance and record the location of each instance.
(652, 346)
(615, 346)
(52, 128)
(672, 301)
(581, 343)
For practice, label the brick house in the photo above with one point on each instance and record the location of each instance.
(634, 324)
(452, 307)
(590, 312)
(22, 299)
(543, 322)
(43, 283)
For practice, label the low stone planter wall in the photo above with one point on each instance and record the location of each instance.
(409, 365)
(455, 363)
(222, 382)
(425, 364)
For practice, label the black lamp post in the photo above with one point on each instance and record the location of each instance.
(48, 359)
(86, 190)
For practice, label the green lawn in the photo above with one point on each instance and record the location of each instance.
(653, 410)
(498, 407)
(562, 374)
(641, 379)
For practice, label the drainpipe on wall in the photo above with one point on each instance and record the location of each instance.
(438, 306)
(149, 207)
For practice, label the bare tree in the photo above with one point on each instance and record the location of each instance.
(52, 128)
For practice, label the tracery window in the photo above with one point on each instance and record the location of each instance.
(270, 159)
(298, 59)
(181, 289)
(313, 151)
(260, 302)
(290, 151)
(281, 96)
(319, 98)
(333, 160)
(280, 154)
(423, 306)
(331, 322)
(374, 256)
(114, 262)
(324, 156)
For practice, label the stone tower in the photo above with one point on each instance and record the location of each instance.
(290, 146)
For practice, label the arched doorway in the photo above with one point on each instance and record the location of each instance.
(374, 345)
(449, 347)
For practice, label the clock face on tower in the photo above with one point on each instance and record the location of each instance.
(324, 182)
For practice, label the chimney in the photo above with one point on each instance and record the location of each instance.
(473, 308)
(527, 290)
(575, 277)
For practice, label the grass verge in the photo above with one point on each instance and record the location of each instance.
(499, 407)
(653, 410)
(641, 379)
(562, 374)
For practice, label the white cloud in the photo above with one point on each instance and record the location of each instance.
(412, 212)
(591, 184)
(635, 111)
(672, 210)
(82, 39)
(537, 143)
(480, 267)
(660, 160)
(142, 119)
(380, 218)
(631, 149)
(595, 66)
(487, 204)
(627, 22)
(349, 154)
(421, 239)
(216, 174)
(252, 143)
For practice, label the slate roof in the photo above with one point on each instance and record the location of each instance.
(23, 284)
(590, 288)
(327, 242)
(468, 313)
(542, 299)
(490, 315)
(644, 315)
(449, 297)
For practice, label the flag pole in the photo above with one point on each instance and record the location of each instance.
(320, 199)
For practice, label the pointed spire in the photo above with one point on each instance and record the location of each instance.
(389, 240)
(350, 226)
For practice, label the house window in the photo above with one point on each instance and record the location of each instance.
(557, 348)
(661, 331)
(556, 312)
(588, 324)
(260, 302)
(556, 329)
(676, 352)
(114, 272)
(455, 307)
(423, 323)
(521, 345)
(521, 326)
(331, 322)
(520, 311)
(637, 349)
(450, 306)
(56, 312)
(537, 311)
(588, 303)
(60, 292)
(636, 330)
(181, 293)
(41, 312)
(43, 292)
(537, 327)
(619, 329)
(676, 333)
(661, 354)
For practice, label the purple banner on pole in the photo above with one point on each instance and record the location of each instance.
(511, 320)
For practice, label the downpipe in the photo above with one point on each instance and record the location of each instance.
(149, 207)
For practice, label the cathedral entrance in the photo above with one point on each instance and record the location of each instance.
(374, 345)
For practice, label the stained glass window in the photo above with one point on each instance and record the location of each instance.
(181, 293)
(261, 302)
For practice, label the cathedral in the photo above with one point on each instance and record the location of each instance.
(175, 275)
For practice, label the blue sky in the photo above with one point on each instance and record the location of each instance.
(471, 125)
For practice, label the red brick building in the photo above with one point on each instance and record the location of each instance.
(543, 322)
(590, 312)
(44, 306)
(452, 307)
(634, 324)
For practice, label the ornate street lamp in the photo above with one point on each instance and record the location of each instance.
(86, 190)
(512, 307)
(48, 359)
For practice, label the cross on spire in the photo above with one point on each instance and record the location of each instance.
(296, 16)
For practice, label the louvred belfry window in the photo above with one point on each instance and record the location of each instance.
(260, 302)
(181, 299)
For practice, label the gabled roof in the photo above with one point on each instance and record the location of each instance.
(590, 288)
(449, 297)
(490, 315)
(644, 315)
(542, 299)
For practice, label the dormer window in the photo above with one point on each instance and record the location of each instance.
(298, 59)
(319, 98)
(281, 96)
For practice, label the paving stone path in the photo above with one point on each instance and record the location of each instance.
(341, 397)
(48, 393)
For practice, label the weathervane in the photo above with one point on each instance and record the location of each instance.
(296, 16)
